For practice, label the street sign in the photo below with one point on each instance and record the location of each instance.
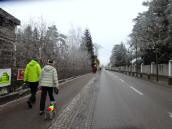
(5, 77)
(20, 75)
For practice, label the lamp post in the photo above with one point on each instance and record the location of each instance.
(136, 69)
(156, 45)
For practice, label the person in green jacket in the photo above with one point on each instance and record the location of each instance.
(32, 76)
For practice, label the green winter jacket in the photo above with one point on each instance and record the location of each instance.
(32, 72)
(49, 77)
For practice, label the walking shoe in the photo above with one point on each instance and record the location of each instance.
(29, 104)
(41, 113)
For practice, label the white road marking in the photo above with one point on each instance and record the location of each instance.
(170, 114)
(121, 80)
(137, 91)
(124, 85)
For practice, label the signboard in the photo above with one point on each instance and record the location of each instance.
(5, 77)
(20, 75)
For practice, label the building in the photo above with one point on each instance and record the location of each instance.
(8, 24)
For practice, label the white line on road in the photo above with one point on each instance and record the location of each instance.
(170, 114)
(121, 80)
(140, 93)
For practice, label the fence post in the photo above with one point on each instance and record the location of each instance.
(126, 69)
(135, 65)
(132, 70)
(141, 70)
(152, 64)
(170, 72)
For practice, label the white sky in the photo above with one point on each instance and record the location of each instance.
(109, 21)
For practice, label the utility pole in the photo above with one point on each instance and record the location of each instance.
(136, 59)
(157, 70)
(156, 57)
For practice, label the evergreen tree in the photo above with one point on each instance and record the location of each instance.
(51, 42)
(119, 55)
(89, 45)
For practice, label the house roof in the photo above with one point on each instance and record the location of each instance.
(8, 16)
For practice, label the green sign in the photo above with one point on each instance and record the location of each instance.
(5, 77)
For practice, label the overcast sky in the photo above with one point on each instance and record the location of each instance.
(109, 21)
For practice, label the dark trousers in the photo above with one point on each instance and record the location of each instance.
(44, 95)
(33, 87)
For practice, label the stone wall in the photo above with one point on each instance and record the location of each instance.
(8, 24)
(6, 53)
(162, 69)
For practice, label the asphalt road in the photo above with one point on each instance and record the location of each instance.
(125, 102)
(106, 100)
(18, 116)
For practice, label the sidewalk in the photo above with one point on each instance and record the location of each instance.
(79, 113)
(21, 93)
(17, 115)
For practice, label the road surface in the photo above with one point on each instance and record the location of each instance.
(105, 100)
(128, 103)
(115, 101)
